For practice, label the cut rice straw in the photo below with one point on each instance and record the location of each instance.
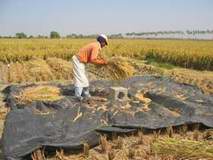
(39, 93)
(117, 68)
(182, 148)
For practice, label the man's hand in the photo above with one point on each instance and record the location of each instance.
(106, 62)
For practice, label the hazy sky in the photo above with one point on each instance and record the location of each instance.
(103, 16)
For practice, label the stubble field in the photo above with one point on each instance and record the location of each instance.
(186, 61)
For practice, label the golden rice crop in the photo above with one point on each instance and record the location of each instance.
(39, 93)
(185, 53)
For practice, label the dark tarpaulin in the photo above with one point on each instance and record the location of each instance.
(69, 124)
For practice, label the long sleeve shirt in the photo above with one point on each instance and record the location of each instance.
(90, 54)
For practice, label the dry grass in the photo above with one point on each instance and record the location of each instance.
(39, 93)
(182, 148)
(30, 71)
(38, 155)
(105, 146)
(203, 80)
(86, 149)
(16, 72)
(118, 68)
(146, 101)
(170, 131)
(3, 111)
(145, 147)
(62, 69)
(39, 70)
(36, 70)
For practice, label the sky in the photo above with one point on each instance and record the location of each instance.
(35, 17)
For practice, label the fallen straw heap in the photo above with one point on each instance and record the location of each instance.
(117, 68)
(39, 93)
(183, 148)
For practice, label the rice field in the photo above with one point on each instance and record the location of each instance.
(184, 53)
(33, 60)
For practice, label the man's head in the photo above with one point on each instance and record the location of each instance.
(103, 40)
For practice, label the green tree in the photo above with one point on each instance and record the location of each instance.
(21, 35)
(54, 34)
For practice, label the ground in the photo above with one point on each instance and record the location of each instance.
(138, 146)
(141, 146)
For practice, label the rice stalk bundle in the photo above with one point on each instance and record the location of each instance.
(60, 68)
(182, 148)
(117, 68)
(39, 93)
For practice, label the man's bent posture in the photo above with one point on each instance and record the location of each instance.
(87, 54)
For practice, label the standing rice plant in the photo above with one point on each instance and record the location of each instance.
(184, 53)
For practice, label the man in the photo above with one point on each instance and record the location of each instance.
(87, 54)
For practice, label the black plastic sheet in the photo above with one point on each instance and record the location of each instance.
(54, 124)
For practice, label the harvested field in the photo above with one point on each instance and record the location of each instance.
(142, 146)
(34, 60)
(155, 103)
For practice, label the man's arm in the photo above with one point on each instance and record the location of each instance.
(94, 58)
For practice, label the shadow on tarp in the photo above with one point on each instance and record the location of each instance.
(68, 124)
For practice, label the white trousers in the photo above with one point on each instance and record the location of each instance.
(80, 78)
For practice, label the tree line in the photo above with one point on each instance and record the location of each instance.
(54, 34)
(187, 32)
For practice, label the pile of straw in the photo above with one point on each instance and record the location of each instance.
(60, 68)
(117, 68)
(39, 93)
(182, 148)
(39, 69)
(36, 70)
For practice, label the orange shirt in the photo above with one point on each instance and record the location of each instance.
(89, 54)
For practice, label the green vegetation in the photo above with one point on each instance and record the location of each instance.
(54, 34)
(21, 35)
